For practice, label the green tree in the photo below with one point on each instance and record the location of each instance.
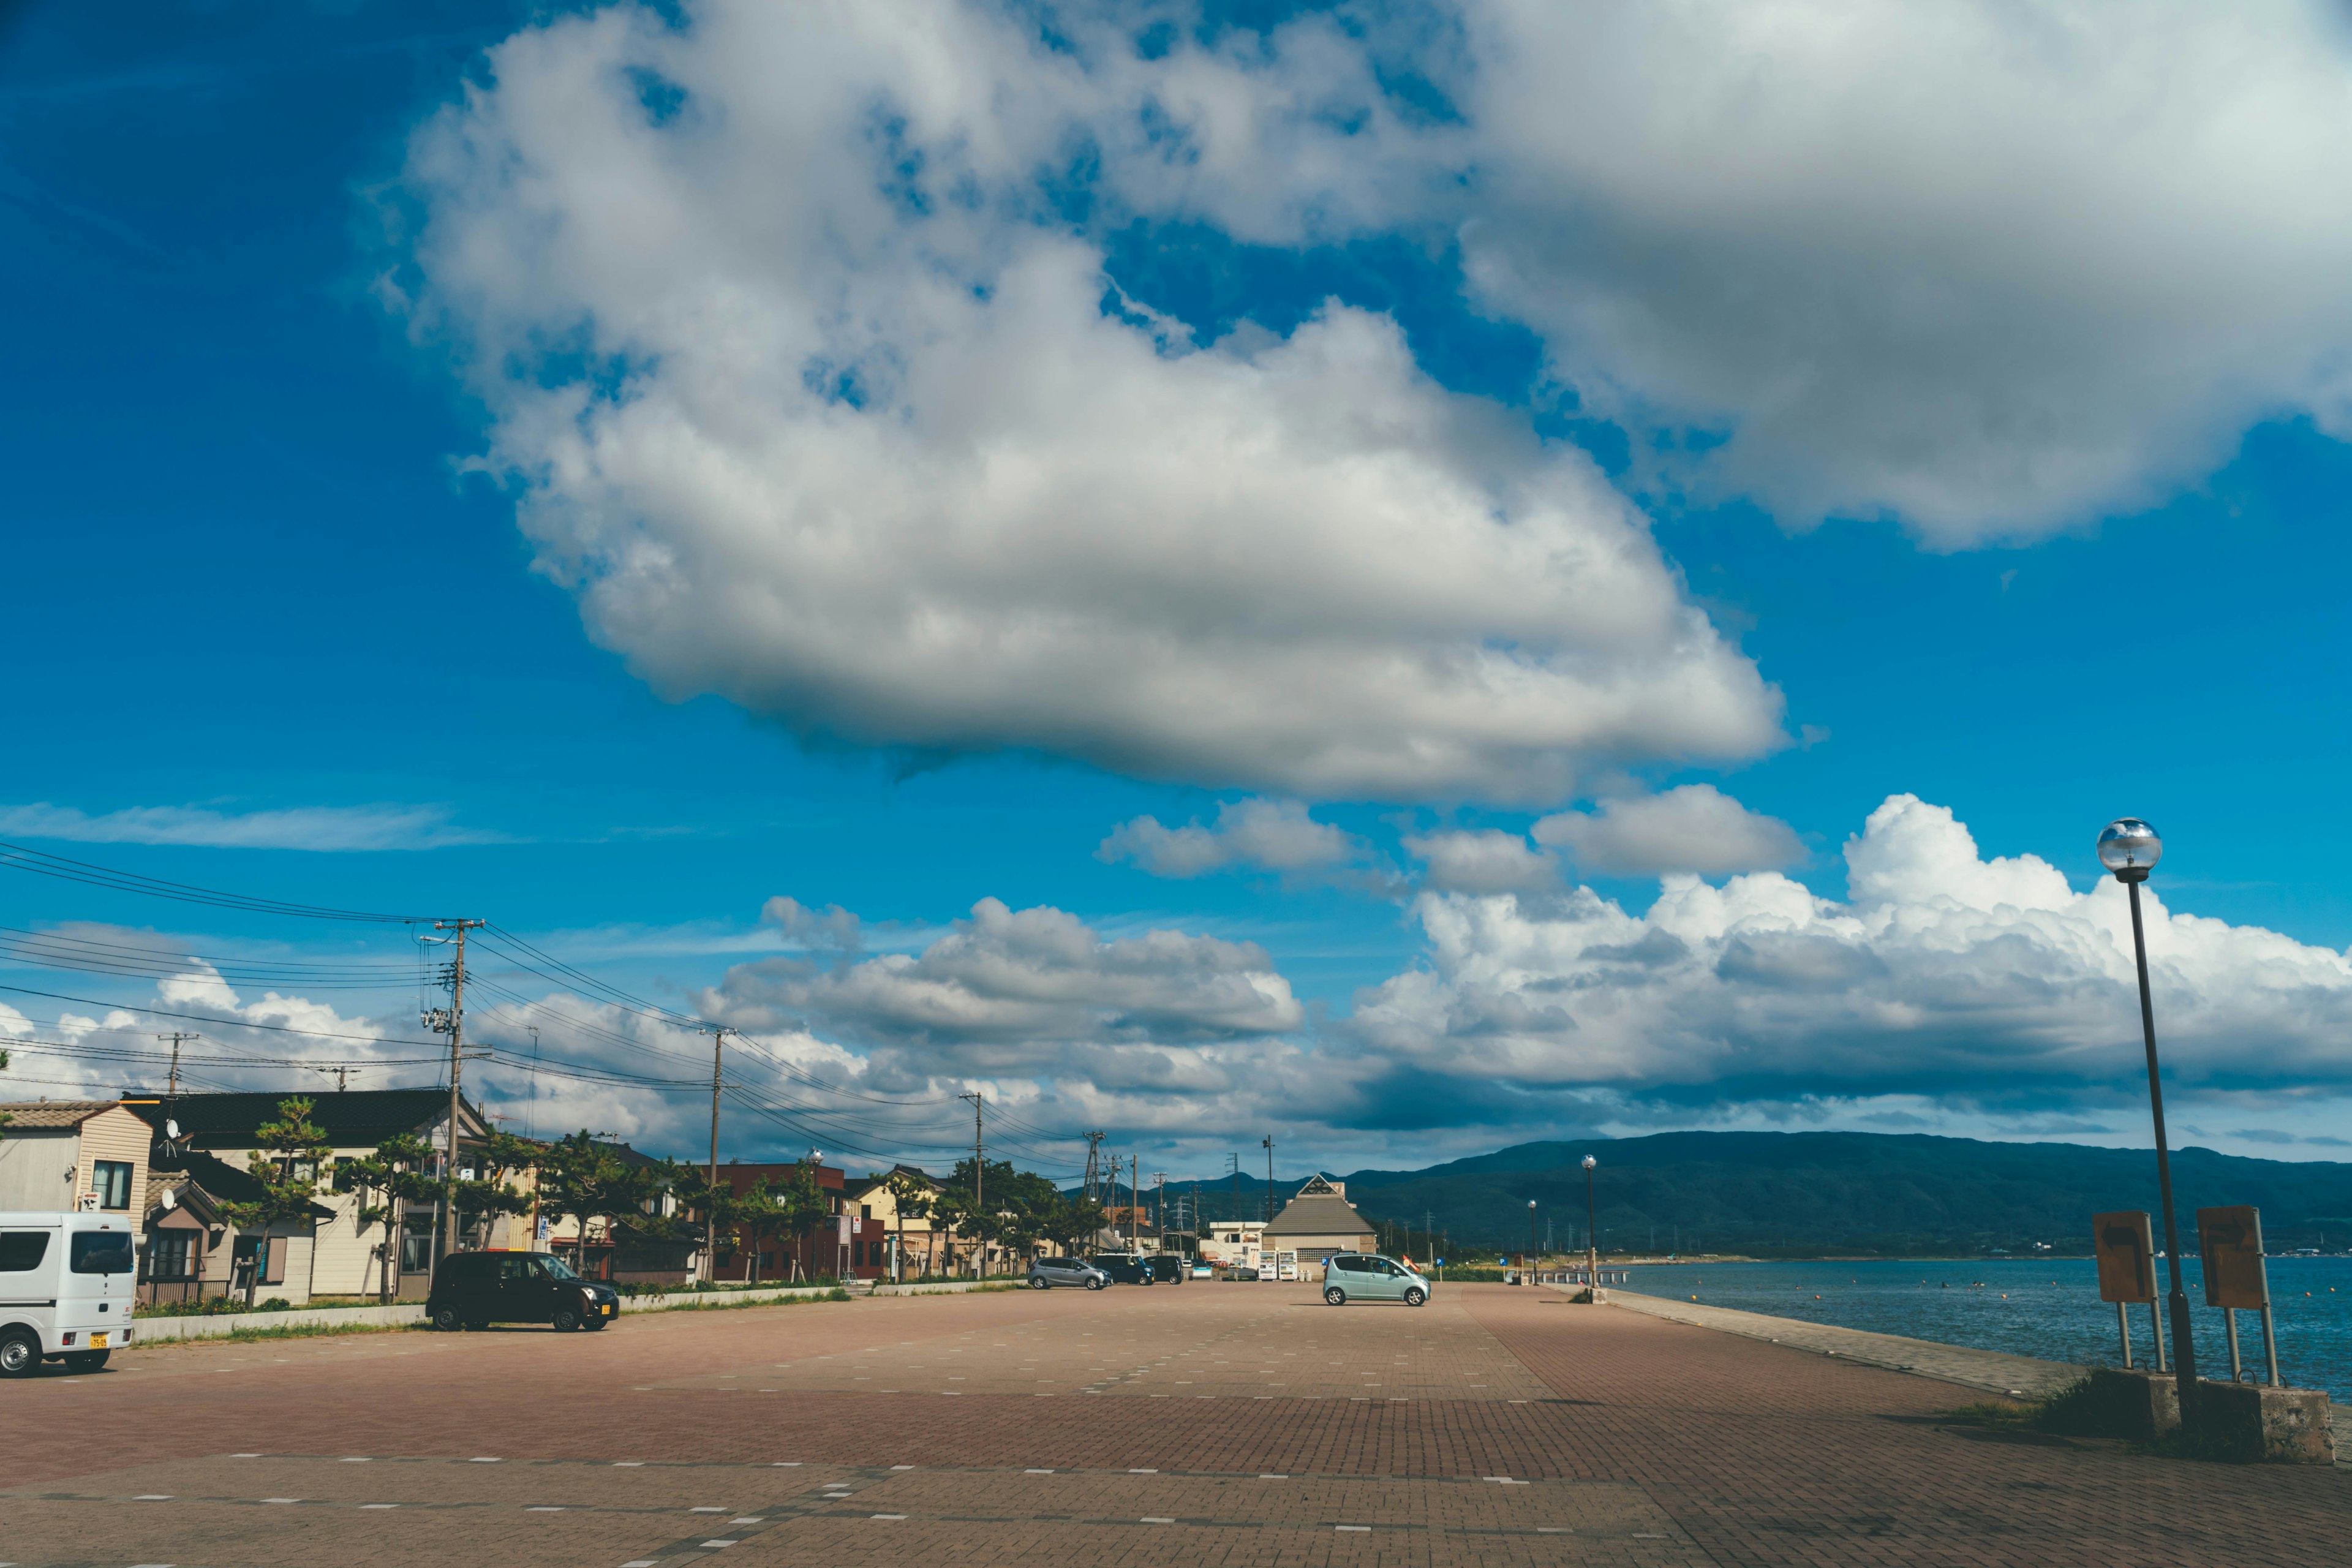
(387, 1180)
(708, 1210)
(586, 1180)
(291, 1155)
(488, 1193)
(911, 1196)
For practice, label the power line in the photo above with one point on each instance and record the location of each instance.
(16, 857)
(209, 1018)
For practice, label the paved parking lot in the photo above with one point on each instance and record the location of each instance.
(1221, 1423)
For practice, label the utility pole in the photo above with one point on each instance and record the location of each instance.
(1135, 1202)
(453, 1020)
(710, 1218)
(176, 1037)
(1269, 1178)
(1094, 1171)
(1234, 1164)
(1159, 1205)
(978, 1164)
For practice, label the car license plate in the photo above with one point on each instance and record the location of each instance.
(97, 1342)
(607, 1309)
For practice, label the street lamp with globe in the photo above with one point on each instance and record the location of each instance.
(1527, 1275)
(2130, 849)
(1591, 1230)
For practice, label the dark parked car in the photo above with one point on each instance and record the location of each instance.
(1168, 1267)
(474, 1289)
(1124, 1268)
(1047, 1272)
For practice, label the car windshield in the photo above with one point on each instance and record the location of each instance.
(557, 1268)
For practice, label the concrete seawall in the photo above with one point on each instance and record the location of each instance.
(1992, 1372)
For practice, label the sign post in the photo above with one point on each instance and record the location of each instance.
(2229, 1246)
(2125, 1247)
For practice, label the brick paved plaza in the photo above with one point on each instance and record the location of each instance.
(1230, 1425)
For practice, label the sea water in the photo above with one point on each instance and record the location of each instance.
(2049, 1309)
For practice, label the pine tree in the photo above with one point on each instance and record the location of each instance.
(387, 1180)
(292, 1153)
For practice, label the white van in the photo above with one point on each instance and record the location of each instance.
(66, 1287)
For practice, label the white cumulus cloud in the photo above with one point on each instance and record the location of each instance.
(1692, 828)
(814, 401)
(1032, 993)
(1483, 860)
(1266, 835)
(1991, 266)
(1943, 973)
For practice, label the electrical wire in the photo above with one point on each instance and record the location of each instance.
(207, 1019)
(17, 857)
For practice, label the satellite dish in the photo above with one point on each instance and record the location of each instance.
(170, 1199)
(171, 1128)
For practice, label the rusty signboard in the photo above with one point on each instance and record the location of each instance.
(2229, 1245)
(2126, 1252)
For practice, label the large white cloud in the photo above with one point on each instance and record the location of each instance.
(1944, 974)
(814, 402)
(1022, 991)
(1992, 266)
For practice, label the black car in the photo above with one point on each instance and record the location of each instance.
(1169, 1268)
(1124, 1268)
(473, 1289)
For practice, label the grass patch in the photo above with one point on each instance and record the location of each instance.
(835, 1294)
(280, 1331)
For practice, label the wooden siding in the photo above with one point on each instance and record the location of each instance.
(113, 1134)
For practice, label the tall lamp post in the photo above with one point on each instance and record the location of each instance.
(2130, 849)
(1527, 1275)
(1591, 1232)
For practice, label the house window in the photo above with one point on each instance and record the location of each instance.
(110, 1179)
(168, 1255)
(416, 1241)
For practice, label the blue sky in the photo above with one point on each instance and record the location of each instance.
(338, 449)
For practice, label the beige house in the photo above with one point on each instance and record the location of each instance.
(1317, 1222)
(192, 1249)
(337, 1260)
(72, 1155)
(878, 1229)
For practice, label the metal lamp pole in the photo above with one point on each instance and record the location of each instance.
(1527, 1275)
(2130, 849)
(1591, 1231)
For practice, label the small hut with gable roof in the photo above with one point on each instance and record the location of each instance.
(1319, 1222)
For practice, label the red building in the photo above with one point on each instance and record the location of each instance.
(848, 1246)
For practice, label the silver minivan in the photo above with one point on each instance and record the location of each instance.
(1368, 1277)
(1047, 1272)
(65, 1288)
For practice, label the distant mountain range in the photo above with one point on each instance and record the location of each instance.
(1805, 1194)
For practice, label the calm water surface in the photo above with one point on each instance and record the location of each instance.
(2050, 1309)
